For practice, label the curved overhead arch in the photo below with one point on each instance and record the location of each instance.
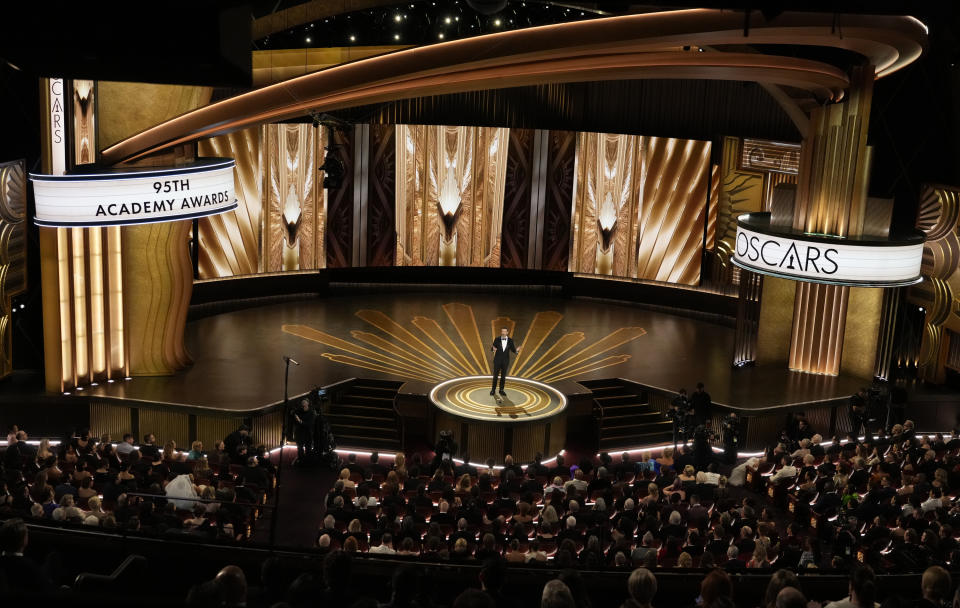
(625, 47)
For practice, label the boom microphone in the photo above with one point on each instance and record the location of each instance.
(290, 360)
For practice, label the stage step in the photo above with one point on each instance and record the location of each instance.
(363, 417)
(380, 401)
(628, 420)
(633, 418)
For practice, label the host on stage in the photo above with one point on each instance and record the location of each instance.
(502, 347)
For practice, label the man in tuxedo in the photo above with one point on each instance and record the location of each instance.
(501, 348)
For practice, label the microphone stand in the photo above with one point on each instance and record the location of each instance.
(283, 442)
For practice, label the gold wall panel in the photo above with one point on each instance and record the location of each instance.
(639, 207)
(125, 108)
(107, 418)
(449, 195)
(939, 293)
(267, 429)
(862, 332)
(740, 192)
(84, 122)
(230, 242)
(675, 184)
(831, 199)
(274, 65)
(776, 317)
(158, 280)
(211, 429)
(819, 320)
(528, 440)
(13, 252)
(295, 207)
(713, 208)
(166, 425)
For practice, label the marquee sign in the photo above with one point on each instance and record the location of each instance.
(858, 262)
(110, 197)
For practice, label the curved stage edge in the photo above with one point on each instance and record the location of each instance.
(432, 324)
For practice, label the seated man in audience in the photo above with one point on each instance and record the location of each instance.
(787, 472)
(254, 474)
(570, 532)
(20, 573)
(126, 446)
(443, 516)
(149, 449)
(578, 482)
(465, 468)
(386, 545)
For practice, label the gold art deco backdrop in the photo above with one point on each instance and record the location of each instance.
(639, 207)
(449, 195)
(279, 223)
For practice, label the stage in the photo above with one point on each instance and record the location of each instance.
(433, 337)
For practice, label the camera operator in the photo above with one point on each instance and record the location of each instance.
(445, 449)
(679, 413)
(858, 411)
(731, 437)
(304, 420)
(702, 452)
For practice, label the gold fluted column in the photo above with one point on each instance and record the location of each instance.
(158, 281)
(831, 199)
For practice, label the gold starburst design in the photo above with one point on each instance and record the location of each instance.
(426, 351)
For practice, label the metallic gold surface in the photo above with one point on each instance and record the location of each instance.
(84, 122)
(939, 293)
(403, 353)
(740, 191)
(126, 108)
(230, 242)
(469, 397)
(13, 252)
(776, 317)
(449, 195)
(157, 282)
(639, 207)
(862, 331)
(275, 65)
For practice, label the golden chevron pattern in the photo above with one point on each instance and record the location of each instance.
(424, 349)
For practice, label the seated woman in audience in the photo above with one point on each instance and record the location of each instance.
(407, 547)
(196, 450)
(464, 483)
(86, 488)
(43, 452)
(199, 517)
(461, 551)
(170, 453)
(514, 554)
(653, 495)
(665, 461)
(685, 560)
(355, 530)
(759, 559)
(67, 452)
(685, 482)
(80, 472)
(645, 465)
(95, 508)
(38, 490)
(437, 482)
(82, 443)
(350, 545)
(400, 466)
(345, 478)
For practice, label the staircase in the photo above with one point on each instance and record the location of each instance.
(625, 417)
(362, 415)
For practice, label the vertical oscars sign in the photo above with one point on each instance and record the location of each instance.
(58, 139)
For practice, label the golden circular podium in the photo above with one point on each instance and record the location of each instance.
(530, 418)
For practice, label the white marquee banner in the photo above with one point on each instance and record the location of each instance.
(135, 196)
(832, 261)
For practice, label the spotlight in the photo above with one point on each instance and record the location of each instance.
(94, 384)
(440, 35)
(447, 20)
(353, 38)
(128, 378)
(79, 388)
(396, 36)
(66, 392)
(397, 18)
(110, 381)
(496, 22)
(22, 306)
(308, 40)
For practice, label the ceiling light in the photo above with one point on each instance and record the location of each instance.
(353, 38)
(396, 36)
(440, 35)
(397, 18)
(496, 22)
(447, 20)
(308, 39)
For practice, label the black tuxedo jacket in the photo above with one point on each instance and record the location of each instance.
(499, 354)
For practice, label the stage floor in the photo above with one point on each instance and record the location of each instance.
(238, 356)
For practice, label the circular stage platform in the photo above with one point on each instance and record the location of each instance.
(531, 418)
(470, 397)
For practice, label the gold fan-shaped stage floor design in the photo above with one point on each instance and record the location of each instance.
(525, 399)
(424, 350)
